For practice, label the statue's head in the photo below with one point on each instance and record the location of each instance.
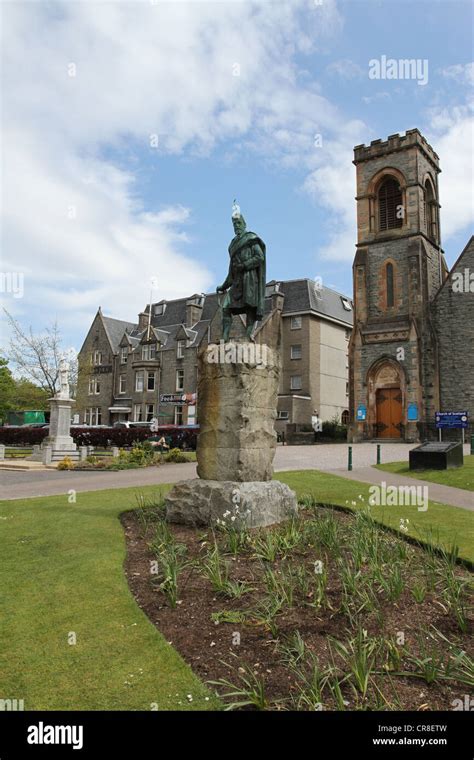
(237, 219)
(239, 224)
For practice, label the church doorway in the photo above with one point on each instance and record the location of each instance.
(389, 412)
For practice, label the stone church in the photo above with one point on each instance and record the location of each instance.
(411, 349)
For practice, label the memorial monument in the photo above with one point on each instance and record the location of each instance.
(59, 442)
(237, 397)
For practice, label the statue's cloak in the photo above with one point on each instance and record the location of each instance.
(247, 285)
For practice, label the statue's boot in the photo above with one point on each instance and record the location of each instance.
(249, 329)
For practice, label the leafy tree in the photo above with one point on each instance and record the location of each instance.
(7, 388)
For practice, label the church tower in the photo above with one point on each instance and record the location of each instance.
(397, 271)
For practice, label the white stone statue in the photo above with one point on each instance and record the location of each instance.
(63, 379)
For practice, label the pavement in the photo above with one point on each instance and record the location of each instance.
(331, 458)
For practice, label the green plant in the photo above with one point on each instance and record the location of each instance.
(418, 591)
(266, 546)
(454, 594)
(216, 570)
(233, 525)
(249, 691)
(358, 655)
(176, 455)
(66, 464)
(228, 616)
(171, 561)
(292, 649)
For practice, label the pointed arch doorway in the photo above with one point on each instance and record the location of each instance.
(386, 383)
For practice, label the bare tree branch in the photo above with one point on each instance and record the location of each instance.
(37, 357)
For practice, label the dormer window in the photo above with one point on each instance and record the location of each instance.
(180, 349)
(148, 351)
(390, 201)
(346, 304)
(123, 355)
(160, 308)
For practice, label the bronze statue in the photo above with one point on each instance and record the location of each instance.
(244, 286)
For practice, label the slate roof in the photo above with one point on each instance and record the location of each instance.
(300, 295)
(115, 329)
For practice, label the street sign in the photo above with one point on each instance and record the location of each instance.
(451, 420)
(177, 398)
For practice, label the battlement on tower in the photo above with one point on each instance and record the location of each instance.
(393, 143)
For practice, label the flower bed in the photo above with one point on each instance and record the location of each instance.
(328, 611)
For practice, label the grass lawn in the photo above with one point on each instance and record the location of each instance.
(62, 572)
(459, 477)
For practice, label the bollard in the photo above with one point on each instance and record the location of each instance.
(349, 458)
(2, 451)
(378, 453)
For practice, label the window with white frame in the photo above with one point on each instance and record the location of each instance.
(139, 380)
(180, 379)
(180, 349)
(296, 351)
(150, 412)
(97, 358)
(123, 355)
(122, 383)
(296, 323)
(138, 413)
(178, 415)
(283, 415)
(150, 381)
(91, 385)
(93, 415)
(97, 386)
(295, 382)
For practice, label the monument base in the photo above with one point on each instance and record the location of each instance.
(203, 502)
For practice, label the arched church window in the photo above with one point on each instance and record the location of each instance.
(431, 211)
(389, 284)
(390, 205)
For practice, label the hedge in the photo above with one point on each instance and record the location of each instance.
(87, 436)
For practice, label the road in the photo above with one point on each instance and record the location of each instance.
(327, 457)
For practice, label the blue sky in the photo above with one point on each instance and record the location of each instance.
(234, 94)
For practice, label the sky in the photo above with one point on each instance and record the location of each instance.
(130, 127)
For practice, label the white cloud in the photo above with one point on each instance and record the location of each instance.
(453, 138)
(138, 69)
(461, 72)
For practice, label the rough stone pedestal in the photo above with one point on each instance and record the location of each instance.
(255, 504)
(237, 397)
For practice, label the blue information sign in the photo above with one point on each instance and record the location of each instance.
(452, 420)
(412, 413)
(361, 412)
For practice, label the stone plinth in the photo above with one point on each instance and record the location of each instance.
(203, 502)
(59, 442)
(237, 396)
